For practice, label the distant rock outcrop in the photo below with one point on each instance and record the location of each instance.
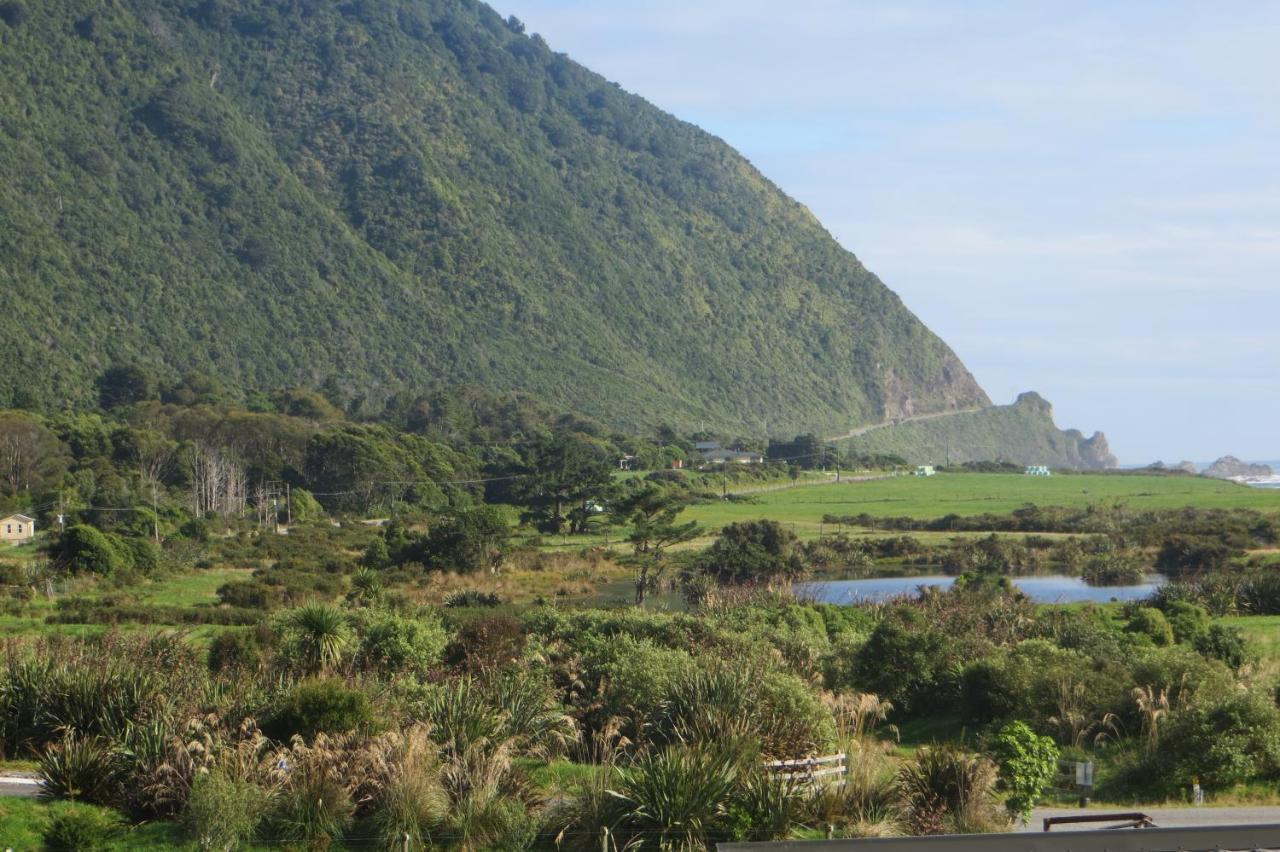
(1230, 467)
(1096, 453)
(1022, 433)
(1180, 467)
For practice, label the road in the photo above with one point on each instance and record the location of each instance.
(862, 430)
(21, 785)
(1166, 817)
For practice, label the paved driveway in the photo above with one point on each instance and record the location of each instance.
(1167, 817)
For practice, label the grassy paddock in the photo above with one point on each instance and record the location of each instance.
(975, 494)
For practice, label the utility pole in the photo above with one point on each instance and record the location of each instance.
(288, 505)
(62, 518)
(155, 514)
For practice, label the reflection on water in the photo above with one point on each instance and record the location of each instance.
(1049, 589)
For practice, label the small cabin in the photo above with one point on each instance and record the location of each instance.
(1036, 470)
(924, 470)
(17, 529)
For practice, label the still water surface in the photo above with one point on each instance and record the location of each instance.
(1047, 589)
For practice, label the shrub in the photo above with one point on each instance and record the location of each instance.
(304, 507)
(469, 541)
(142, 553)
(1223, 643)
(1150, 623)
(1183, 555)
(1229, 742)
(253, 594)
(376, 556)
(320, 706)
(13, 13)
(81, 829)
(86, 550)
(1189, 621)
(902, 659)
(486, 644)
(1112, 569)
(196, 529)
(391, 644)
(1027, 763)
(222, 812)
(752, 552)
(235, 650)
(638, 675)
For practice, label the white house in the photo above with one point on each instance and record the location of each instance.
(924, 470)
(17, 529)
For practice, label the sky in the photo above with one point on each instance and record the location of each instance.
(1082, 199)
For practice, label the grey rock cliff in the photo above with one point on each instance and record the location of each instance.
(1230, 467)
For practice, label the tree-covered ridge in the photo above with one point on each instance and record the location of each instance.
(403, 196)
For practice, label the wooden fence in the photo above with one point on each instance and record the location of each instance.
(812, 770)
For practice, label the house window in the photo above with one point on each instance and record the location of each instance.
(19, 529)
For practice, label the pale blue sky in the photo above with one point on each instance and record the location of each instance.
(1081, 198)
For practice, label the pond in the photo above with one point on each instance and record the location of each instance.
(1051, 589)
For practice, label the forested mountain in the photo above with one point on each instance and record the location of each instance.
(396, 196)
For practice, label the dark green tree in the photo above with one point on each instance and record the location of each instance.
(568, 478)
(752, 552)
(125, 384)
(652, 511)
(471, 540)
(85, 550)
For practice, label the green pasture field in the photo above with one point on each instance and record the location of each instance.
(979, 493)
(189, 588)
(1262, 631)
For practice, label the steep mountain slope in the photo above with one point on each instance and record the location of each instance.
(402, 195)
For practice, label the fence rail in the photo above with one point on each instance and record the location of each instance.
(811, 770)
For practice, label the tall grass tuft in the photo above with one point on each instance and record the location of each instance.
(945, 790)
(79, 768)
(678, 797)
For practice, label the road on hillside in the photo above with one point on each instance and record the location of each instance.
(916, 418)
(1164, 817)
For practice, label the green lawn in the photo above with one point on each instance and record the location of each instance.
(1262, 631)
(974, 494)
(22, 822)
